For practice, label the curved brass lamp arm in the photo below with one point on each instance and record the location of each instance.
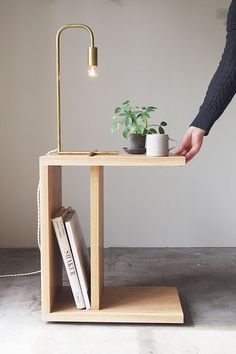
(75, 25)
(92, 62)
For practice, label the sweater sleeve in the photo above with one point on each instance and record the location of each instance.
(223, 84)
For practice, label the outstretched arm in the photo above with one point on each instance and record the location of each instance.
(220, 92)
(222, 87)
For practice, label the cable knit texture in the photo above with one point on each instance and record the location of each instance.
(222, 87)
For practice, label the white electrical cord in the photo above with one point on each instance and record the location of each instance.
(38, 231)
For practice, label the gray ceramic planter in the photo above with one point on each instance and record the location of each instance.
(136, 141)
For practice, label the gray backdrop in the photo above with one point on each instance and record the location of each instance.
(160, 53)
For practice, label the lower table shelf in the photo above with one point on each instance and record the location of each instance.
(129, 304)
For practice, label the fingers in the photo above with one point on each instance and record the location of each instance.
(184, 152)
(192, 152)
(179, 150)
(182, 149)
(191, 143)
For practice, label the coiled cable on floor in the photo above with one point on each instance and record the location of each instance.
(38, 231)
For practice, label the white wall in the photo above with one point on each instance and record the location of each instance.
(152, 52)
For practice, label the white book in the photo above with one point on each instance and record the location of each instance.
(63, 242)
(80, 253)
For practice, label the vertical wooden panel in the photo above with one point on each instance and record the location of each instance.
(50, 201)
(97, 236)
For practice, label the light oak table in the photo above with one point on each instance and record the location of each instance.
(142, 304)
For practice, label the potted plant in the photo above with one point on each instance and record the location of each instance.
(134, 121)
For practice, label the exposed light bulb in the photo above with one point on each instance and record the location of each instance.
(92, 71)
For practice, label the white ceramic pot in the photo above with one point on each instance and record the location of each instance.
(158, 145)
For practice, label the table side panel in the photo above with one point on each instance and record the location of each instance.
(51, 268)
(97, 235)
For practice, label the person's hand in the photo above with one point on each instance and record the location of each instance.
(191, 143)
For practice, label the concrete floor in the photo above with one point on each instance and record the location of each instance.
(205, 278)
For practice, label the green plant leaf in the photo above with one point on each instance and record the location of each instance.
(139, 114)
(125, 103)
(140, 129)
(146, 114)
(151, 109)
(144, 108)
(133, 129)
(164, 124)
(117, 110)
(141, 122)
(126, 133)
(114, 127)
(161, 130)
(151, 131)
(128, 121)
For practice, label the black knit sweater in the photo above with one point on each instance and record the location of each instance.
(223, 84)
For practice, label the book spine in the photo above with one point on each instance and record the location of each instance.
(68, 261)
(79, 264)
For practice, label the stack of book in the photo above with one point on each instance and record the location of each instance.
(74, 254)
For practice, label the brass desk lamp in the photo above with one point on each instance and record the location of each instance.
(92, 65)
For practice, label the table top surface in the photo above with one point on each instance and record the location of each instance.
(119, 159)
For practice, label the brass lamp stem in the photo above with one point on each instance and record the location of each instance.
(92, 59)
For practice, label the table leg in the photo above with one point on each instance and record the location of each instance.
(97, 236)
(51, 267)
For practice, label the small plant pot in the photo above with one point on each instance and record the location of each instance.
(158, 145)
(136, 144)
(136, 141)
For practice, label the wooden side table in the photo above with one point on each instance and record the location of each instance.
(108, 304)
